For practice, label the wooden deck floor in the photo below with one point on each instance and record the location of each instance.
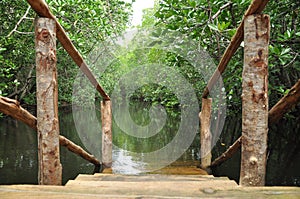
(147, 186)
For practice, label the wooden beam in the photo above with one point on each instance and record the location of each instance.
(228, 153)
(12, 108)
(285, 104)
(256, 7)
(255, 101)
(42, 9)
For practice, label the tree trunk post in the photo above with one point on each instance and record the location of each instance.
(50, 169)
(205, 134)
(106, 118)
(255, 100)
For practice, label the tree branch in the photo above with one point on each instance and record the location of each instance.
(19, 22)
(220, 10)
(23, 89)
(291, 62)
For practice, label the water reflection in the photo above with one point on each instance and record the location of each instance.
(18, 152)
(125, 163)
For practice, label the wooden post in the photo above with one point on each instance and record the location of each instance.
(50, 170)
(106, 118)
(205, 134)
(255, 100)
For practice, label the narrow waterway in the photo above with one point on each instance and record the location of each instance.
(18, 149)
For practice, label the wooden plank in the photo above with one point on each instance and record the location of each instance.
(180, 170)
(172, 188)
(148, 177)
(61, 192)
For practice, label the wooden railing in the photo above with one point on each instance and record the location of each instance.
(49, 163)
(12, 107)
(282, 107)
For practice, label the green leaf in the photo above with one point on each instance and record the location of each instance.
(276, 50)
(285, 51)
(213, 27)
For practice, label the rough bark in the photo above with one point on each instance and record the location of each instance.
(12, 108)
(50, 170)
(42, 9)
(285, 104)
(255, 101)
(205, 134)
(106, 118)
(256, 7)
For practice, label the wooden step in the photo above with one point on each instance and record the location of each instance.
(178, 169)
(183, 184)
(146, 177)
(189, 190)
(174, 185)
(150, 185)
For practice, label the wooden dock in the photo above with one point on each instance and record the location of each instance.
(147, 186)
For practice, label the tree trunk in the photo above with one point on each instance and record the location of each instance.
(255, 100)
(50, 170)
(205, 134)
(106, 118)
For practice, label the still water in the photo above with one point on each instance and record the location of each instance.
(18, 147)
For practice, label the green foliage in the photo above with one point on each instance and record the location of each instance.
(90, 22)
(213, 30)
(86, 23)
